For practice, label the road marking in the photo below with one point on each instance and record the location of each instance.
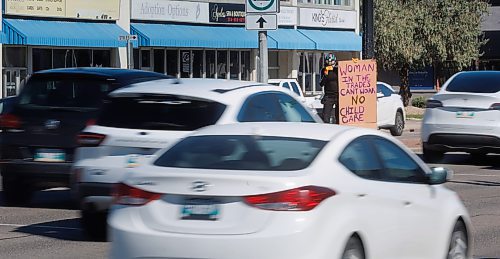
(483, 175)
(34, 226)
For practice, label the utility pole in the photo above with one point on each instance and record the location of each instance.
(130, 55)
(368, 42)
(263, 58)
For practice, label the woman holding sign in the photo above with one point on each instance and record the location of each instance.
(330, 84)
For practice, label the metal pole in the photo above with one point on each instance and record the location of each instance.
(263, 64)
(368, 46)
(130, 56)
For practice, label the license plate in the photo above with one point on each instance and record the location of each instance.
(200, 209)
(49, 155)
(465, 115)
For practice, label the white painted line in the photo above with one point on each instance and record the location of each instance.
(32, 226)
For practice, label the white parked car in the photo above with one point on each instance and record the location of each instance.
(463, 116)
(313, 102)
(390, 109)
(253, 190)
(137, 121)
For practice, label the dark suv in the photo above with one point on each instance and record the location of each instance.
(38, 134)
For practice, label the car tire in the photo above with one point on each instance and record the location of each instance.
(94, 224)
(432, 156)
(16, 192)
(459, 243)
(399, 124)
(353, 249)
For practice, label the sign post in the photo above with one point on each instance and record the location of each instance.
(358, 93)
(130, 47)
(261, 15)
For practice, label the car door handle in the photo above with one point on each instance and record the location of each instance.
(407, 203)
(361, 195)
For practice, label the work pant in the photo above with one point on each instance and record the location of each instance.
(329, 111)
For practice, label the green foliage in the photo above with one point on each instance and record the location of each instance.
(418, 102)
(418, 33)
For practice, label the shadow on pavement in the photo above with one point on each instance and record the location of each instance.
(66, 229)
(49, 199)
(490, 162)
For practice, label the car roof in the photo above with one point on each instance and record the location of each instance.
(282, 80)
(116, 73)
(216, 89)
(318, 131)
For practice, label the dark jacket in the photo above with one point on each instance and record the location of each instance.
(329, 80)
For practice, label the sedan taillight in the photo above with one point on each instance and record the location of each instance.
(86, 139)
(300, 199)
(433, 104)
(127, 195)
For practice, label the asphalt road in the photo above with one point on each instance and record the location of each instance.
(49, 228)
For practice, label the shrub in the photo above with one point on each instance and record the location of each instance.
(418, 102)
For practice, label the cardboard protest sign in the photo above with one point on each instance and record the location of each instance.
(358, 93)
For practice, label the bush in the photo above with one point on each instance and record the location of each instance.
(418, 102)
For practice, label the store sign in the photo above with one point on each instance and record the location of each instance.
(287, 16)
(186, 62)
(327, 18)
(165, 10)
(78, 9)
(227, 13)
(358, 93)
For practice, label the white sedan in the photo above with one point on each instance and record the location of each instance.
(252, 190)
(463, 116)
(390, 109)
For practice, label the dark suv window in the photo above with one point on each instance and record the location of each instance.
(475, 82)
(65, 93)
(159, 113)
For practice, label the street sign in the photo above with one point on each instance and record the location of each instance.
(127, 37)
(261, 22)
(262, 6)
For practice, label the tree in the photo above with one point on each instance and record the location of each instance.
(412, 34)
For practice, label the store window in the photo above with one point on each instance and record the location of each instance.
(101, 58)
(42, 59)
(245, 65)
(62, 58)
(14, 57)
(210, 63)
(172, 62)
(82, 58)
(197, 63)
(221, 64)
(136, 59)
(159, 60)
(145, 59)
(273, 64)
(234, 65)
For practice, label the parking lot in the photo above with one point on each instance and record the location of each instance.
(50, 228)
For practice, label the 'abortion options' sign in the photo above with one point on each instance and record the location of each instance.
(358, 93)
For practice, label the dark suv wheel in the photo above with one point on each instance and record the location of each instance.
(15, 192)
(432, 156)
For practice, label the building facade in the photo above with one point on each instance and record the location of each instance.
(186, 39)
(490, 60)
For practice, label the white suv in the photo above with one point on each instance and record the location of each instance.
(463, 116)
(139, 120)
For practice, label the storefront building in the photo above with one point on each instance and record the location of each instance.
(207, 39)
(490, 60)
(40, 35)
(186, 39)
